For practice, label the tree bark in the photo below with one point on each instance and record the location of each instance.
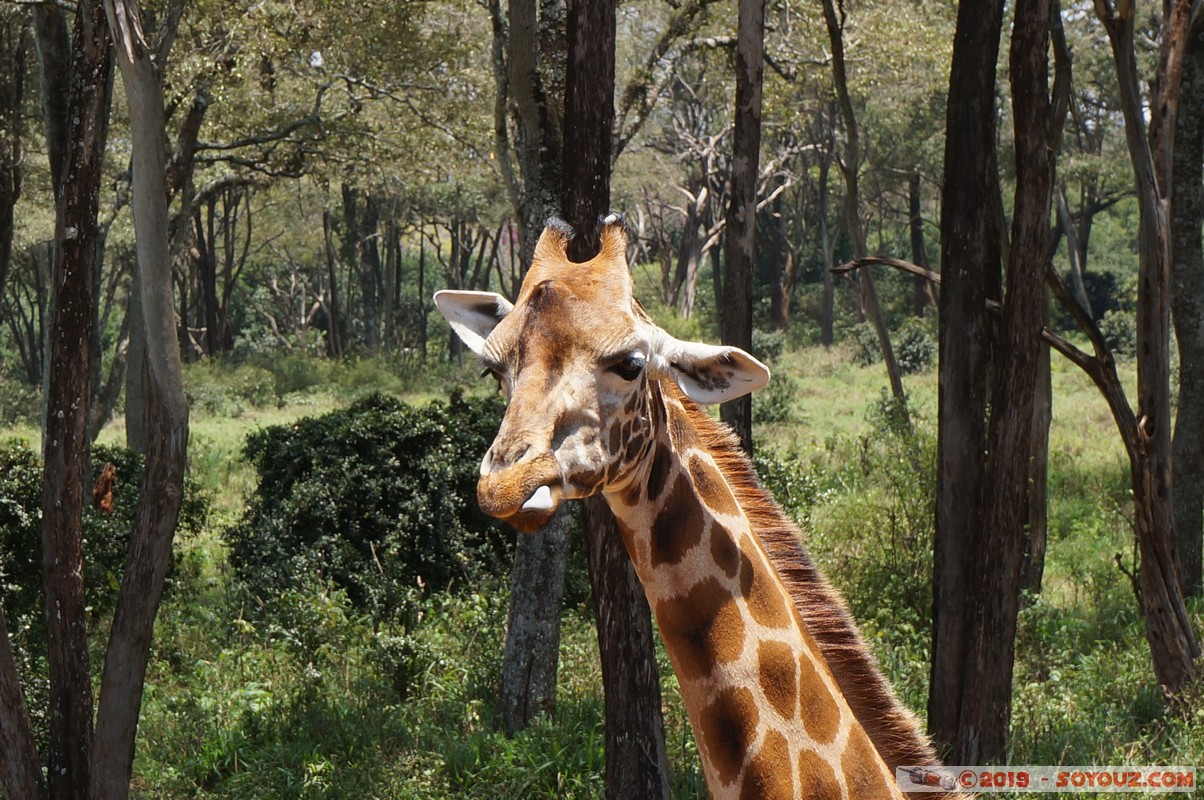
(532, 648)
(636, 761)
(20, 766)
(735, 321)
(826, 245)
(1032, 569)
(532, 51)
(921, 293)
(65, 447)
(13, 45)
(852, 205)
(1168, 629)
(970, 249)
(637, 764)
(128, 651)
(993, 605)
(1187, 302)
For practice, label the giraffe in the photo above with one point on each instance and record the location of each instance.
(783, 696)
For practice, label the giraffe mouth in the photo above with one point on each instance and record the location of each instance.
(524, 495)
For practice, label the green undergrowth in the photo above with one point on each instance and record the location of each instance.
(310, 695)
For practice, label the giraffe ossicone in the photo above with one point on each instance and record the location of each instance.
(784, 698)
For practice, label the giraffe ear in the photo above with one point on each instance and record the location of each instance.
(713, 374)
(472, 315)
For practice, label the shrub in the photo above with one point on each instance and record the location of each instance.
(106, 535)
(777, 403)
(866, 350)
(768, 345)
(373, 499)
(1119, 329)
(915, 345)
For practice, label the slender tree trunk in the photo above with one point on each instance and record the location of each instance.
(637, 764)
(1187, 300)
(921, 293)
(740, 238)
(334, 332)
(1073, 250)
(852, 205)
(826, 247)
(13, 45)
(68, 392)
(1168, 628)
(969, 240)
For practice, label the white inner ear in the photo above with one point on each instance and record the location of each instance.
(710, 373)
(472, 315)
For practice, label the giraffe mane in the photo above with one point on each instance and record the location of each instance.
(891, 726)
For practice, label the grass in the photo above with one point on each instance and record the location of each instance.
(237, 707)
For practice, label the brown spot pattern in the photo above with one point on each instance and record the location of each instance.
(860, 766)
(678, 525)
(776, 667)
(727, 729)
(764, 595)
(615, 438)
(712, 488)
(816, 780)
(768, 774)
(701, 628)
(820, 713)
(724, 550)
(658, 473)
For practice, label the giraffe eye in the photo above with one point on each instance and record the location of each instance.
(630, 367)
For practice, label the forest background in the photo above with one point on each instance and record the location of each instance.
(333, 619)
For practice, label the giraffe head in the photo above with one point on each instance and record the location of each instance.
(574, 356)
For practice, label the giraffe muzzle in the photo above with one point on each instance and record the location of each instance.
(526, 495)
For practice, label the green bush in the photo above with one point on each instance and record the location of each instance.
(374, 499)
(106, 536)
(913, 344)
(777, 403)
(1119, 329)
(767, 345)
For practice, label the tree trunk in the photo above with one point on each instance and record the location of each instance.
(1168, 629)
(534, 47)
(739, 254)
(993, 605)
(852, 205)
(162, 492)
(826, 246)
(136, 389)
(12, 93)
(970, 249)
(68, 392)
(921, 292)
(334, 329)
(636, 763)
(1187, 301)
(20, 766)
(532, 647)
(1032, 569)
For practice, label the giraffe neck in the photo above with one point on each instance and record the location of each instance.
(768, 715)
